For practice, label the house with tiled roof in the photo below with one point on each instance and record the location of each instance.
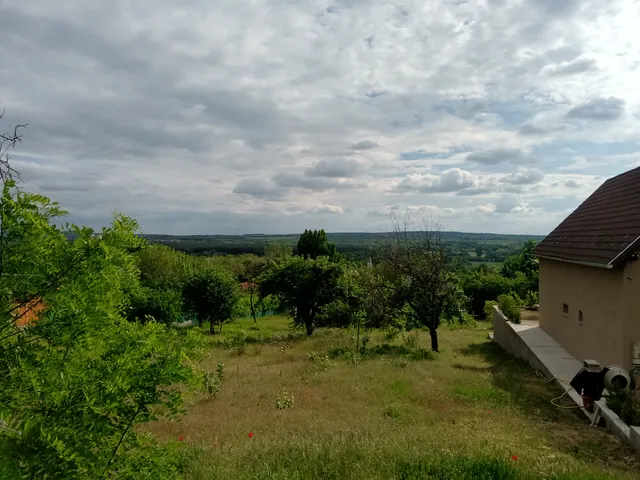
(590, 274)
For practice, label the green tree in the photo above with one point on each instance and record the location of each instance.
(277, 251)
(161, 305)
(212, 295)
(303, 286)
(253, 266)
(481, 285)
(313, 244)
(77, 381)
(417, 269)
(162, 267)
(525, 263)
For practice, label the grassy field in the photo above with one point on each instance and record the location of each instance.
(469, 412)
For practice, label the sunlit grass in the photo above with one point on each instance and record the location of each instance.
(459, 414)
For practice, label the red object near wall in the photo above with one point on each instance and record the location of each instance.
(29, 313)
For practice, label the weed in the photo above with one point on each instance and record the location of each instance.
(284, 400)
(353, 357)
(322, 361)
(213, 381)
(401, 362)
(393, 412)
(257, 349)
(411, 340)
(391, 333)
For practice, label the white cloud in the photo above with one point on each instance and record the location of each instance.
(451, 180)
(287, 106)
(524, 176)
(487, 209)
(326, 208)
(579, 64)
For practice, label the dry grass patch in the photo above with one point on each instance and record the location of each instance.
(385, 415)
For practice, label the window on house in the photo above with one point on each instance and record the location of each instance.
(579, 317)
(565, 309)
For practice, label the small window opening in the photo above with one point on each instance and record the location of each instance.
(565, 309)
(579, 317)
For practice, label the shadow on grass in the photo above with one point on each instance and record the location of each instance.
(568, 428)
(385, 349)
(240, 339)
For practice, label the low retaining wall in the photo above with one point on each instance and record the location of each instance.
(509, 337)
(506, 336)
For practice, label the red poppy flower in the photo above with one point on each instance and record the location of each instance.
(181, 437)
(250, 434)
(514, 458)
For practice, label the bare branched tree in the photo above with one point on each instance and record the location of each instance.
(419, 272)
(8, 140)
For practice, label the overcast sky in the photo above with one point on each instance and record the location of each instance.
(241, 116)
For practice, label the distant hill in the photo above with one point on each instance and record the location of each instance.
(473, 247)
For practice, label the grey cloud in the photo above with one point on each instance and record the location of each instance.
(507, 203)
(364, 145)
(524, 176)
(469, 192)
(259, 189)
(610, 108)
(502, 155)
(335, 168)
(540, 128)
(573, 183)
(293, 180)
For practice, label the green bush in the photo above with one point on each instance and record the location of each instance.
(162, 305)
(532, 299)
(625, 406)
(509, 306)
(488, 308)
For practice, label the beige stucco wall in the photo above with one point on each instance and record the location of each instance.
(631, 310)
(606, 301)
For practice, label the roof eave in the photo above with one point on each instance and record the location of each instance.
(608, 266)
(628, 249)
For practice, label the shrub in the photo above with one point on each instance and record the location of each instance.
(532, 299)
(391, 334)
(488, 308)
(411, 340)
(213, 381)
(161, 305)
(625, 406)
(509, 306)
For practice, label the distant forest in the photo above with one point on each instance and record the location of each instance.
(468, 248)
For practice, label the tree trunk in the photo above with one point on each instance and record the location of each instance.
(434, 340)
(309, 329)
(251, 304)
(212, 328)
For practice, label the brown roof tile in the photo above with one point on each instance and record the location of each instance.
(603, 229)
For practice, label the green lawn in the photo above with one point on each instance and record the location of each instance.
(469, 412)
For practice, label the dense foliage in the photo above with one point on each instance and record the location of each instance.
(313, 244)
(212, 296)
(304, 286)
(79, 378)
